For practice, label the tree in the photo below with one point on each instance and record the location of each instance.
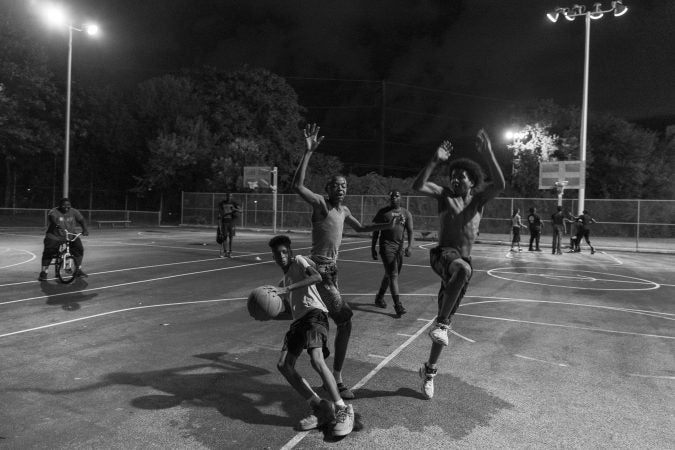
(29, 104)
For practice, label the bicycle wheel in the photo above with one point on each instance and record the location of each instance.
(66, 268)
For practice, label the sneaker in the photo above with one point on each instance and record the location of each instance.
(592, 251)
(345, 392)
(427, 375)
(439, 334)
(400, 310)
(322, 414)
(228, 254)
(512, 250)
(344, 420)
(42, 276)
(80, 273)
(379, 302)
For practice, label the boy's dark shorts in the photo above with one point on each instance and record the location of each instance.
(308, 332)
(392, 258)
(227, 228)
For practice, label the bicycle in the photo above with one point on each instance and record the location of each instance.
(65, 265)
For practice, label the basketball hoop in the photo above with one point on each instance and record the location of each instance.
(560, 187)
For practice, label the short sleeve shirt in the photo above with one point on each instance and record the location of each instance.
(396, 234)
(60, 222)
(303, 299)
(228, 211)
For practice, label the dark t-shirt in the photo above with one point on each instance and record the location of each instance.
(60, 222)
(557, 218)
(535, 222)
(396, 234)
(229, 211)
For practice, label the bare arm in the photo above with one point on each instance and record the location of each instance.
(311, 277)
(409, 230)
(312, 141)
(422, 183)
(356, 225)
(498, 184)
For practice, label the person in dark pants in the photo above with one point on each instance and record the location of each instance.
(584, 230)
(228, 213)
(391, 249)
(534, 222)
(558, 222)
(62, 220)
(516, 225)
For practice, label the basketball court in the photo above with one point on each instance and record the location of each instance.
(155, 349)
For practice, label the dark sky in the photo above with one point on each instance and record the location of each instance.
(482, 48)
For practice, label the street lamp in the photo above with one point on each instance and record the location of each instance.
(570, 14)
(57, 16)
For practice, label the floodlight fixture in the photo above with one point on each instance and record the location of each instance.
(55, 15)
(619, 8)
(91, 29)
(597, 12)
(553, 15)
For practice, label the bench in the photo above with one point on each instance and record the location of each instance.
(113, 222)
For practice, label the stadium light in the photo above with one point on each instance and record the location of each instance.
(619, 9)
(56, 15)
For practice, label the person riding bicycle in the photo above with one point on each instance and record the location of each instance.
(63, 220)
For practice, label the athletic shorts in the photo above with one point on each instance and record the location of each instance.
(308, 332)
(227, 228)
(338, 309)
(441, 258)
(392, 258)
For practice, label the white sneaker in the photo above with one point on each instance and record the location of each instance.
(427, 375)
(344, 420)
(439, 334)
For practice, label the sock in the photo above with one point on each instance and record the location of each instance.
(341, 404)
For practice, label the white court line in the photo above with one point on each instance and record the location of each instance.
(662, 377)
(403, 334)
(602, 330)
(133, 282)
(540, 360)
(376, 356)
(32, 255)
(300, 436)
(108, 313)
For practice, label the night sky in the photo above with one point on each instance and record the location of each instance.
(478, 48)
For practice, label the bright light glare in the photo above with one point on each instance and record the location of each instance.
(92, 29)
(552, 16)
(55, 15)
(508, 135)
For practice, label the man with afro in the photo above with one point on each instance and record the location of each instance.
(459, 207)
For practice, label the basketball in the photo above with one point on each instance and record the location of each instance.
(264, 303)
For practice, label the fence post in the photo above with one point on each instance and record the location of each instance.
(362, 208)
(213, 208)
(281, 217)
(182, 205)
(637, 230)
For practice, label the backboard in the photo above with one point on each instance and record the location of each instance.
(574, 172)
(257, 177)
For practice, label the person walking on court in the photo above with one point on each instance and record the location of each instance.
(516, 225)
(534, 222)
(328, 218)
(309, 330)
(558, 222)
(228, 213)
(63, 219)
(459, 207)
(391, 249)
(584, 230)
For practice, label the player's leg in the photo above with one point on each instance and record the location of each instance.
(587, 237)
(394, 271)
(341, 313)
(537, 237)
(49, 252)
(294, 343)
(77, 250)
(531, 240)
(384, 284)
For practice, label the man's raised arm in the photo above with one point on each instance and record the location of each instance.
(422, 183)
(312, 142)
(497, 184)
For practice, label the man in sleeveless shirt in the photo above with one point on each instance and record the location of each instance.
(328, 218)
(558, 222)
(459, 207)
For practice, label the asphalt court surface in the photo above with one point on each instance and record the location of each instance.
(155, 349)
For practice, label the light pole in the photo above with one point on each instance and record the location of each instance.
(57, 16)
(570, 14)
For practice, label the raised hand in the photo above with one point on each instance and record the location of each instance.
(444, 151)
(483, 139)
(312, 138)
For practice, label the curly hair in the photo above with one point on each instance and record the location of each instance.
(472, 168)
(280, 240)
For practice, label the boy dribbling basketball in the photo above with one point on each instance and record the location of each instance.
(309, 330)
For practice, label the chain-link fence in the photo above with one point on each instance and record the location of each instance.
(643, 225)
(33, 217)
